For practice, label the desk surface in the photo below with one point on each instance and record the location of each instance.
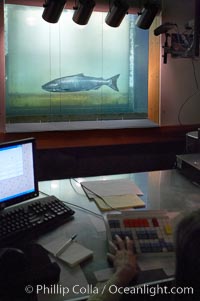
(162, 190)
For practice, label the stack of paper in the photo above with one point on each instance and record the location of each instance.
(114, 194)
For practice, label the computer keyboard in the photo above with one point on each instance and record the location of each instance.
(151, 230)
(29, 221)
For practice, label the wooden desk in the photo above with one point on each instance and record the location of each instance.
(162, 190)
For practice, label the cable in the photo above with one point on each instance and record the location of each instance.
(82, 194)
(77, 206)
(44, 193)
(99, 196)
(184, 37)
(195, 75)
(191, 96)
(182, 106)
(84, 209)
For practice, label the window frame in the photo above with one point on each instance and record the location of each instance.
(153, 83)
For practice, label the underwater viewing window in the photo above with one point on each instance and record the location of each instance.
(64, 72)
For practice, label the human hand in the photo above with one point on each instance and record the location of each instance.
(124, 259)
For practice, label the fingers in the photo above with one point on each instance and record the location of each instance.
(121, 252)
(110, 257)
(112, 247)
(127, 244)
(120, 242)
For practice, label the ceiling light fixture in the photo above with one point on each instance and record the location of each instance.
(53, 10)
(83, 11)
(118, 10)
(146, 17)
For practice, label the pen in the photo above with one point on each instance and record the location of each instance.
(65, 245)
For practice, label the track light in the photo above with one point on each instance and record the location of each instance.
(117, 12)
(53, 10)
(83, 11)
(164, 28)
(148, 14)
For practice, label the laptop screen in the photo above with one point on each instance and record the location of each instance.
(17, 173)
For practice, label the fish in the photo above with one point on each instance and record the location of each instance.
(80, 82)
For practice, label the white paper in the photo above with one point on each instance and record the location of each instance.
(111, 187)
